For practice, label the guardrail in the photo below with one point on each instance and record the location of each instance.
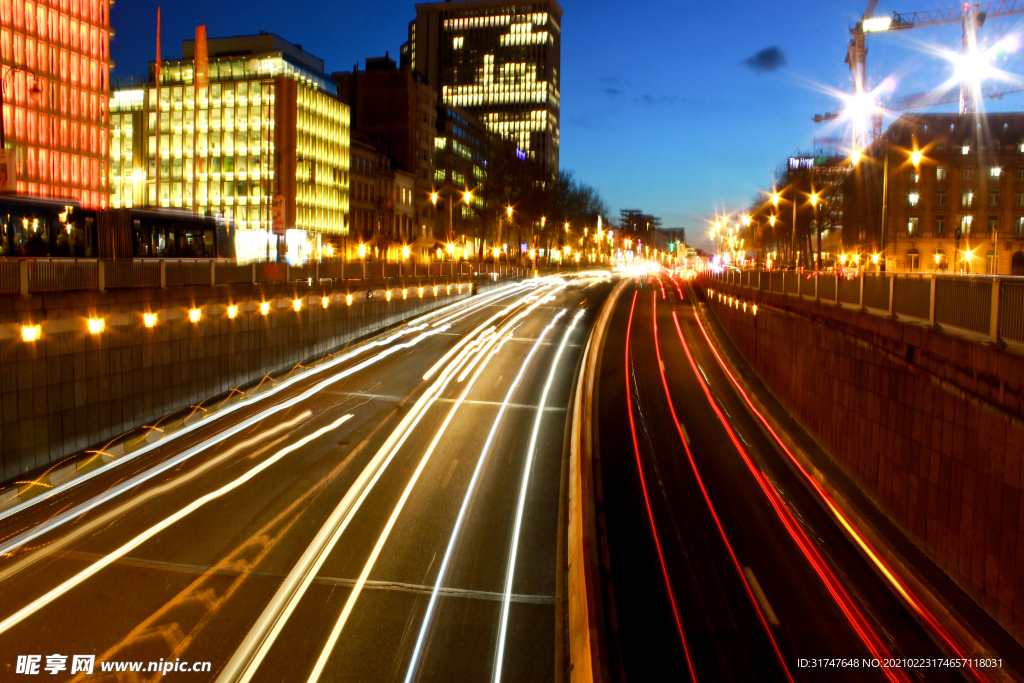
(992, 306)
(30, 276)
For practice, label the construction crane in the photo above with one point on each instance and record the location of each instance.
(971, 17)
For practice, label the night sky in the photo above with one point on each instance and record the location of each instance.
(676, 108)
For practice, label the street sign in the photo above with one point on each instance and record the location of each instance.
(277, 214)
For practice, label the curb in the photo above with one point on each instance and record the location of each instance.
(588, 656)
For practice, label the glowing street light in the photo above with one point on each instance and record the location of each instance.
(855, 157)
(433, 199)
(915, 158)
(775, 199)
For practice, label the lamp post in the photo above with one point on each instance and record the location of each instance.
(817, 228)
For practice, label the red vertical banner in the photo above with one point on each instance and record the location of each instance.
(202, 59)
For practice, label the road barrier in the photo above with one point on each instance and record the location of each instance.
(988, 305)
(31, 276)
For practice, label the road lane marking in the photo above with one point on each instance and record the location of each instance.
(447, 477)
(517, 527)
(425, 626)
(108, 559)
(766, 607)
(107, 517)
(250, 653)
(371, 584)
(414, 326)
(468, 402)
(72, 513)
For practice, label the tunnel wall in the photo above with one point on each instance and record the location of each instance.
(72, 390)
(928, 424)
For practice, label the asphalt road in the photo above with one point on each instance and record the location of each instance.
(722, 566)
(361, 527)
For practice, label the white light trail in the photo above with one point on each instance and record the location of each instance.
(115, 513)
(530, 451)
(152, 531)
(425, 626)
(250, 654)
(280, 386)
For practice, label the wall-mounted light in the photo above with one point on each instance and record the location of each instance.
(194, 315)
(348, 299)
(149, 319)
(232, 312)
(297, 305)
(265, 307)
(31, 333)
(325, 301)
(96, 325)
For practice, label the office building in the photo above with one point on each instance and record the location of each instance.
(269, 123)
(55, 63)
(499, 60)
(395, 110)
(954, 196)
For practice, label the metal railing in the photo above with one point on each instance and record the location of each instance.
(992, 306)
(9, 277)
(30, 276)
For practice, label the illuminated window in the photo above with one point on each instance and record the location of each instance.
(913, 198)
(912, 225)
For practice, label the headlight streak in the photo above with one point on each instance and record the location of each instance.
(250, 653)
(857, 621)
(876, 559)
(152, 531)
(425, 626)
(647, 501)
(530, 451)
(277, 388)
(707, 499)
(67, 515)
(102, 520)
(455, 349)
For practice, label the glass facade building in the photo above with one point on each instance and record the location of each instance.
(55, 63)
(266, 126)
(499, 61)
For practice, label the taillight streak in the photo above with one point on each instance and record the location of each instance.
(707, 498)
(647, 500)
(876, 559)
(835, 588)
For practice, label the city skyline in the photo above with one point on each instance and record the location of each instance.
(617, 98)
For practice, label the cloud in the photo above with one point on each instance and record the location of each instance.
(655, 100)
(768, 59)
(612, 91)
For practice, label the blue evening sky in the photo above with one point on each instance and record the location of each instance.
(660, 110)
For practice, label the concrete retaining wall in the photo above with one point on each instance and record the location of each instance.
(929, 424)
(72, 390)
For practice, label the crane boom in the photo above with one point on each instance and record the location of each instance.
(994, 91)
(956, 15)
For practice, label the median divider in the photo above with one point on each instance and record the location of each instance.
(588, 651)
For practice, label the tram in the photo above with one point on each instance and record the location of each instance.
(60, 228)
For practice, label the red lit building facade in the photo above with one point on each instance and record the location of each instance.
(55, 65)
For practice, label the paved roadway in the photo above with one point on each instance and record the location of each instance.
(751, 575)
(360, 529)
